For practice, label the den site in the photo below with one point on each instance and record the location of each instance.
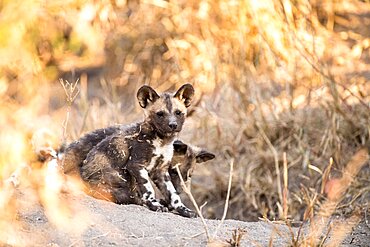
(185, 123)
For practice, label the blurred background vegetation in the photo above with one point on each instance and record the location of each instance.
(272, 77)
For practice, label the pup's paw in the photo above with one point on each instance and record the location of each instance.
(185, 212)
(166, 204)
(154, 205)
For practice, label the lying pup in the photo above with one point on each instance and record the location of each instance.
(142, 151)
(185, 156)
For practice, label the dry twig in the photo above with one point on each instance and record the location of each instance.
(276, 159)
(195, 204)
(71, 91)
(227, 198)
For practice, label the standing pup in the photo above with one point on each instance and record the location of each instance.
(142, 151)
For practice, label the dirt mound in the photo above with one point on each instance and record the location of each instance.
(109, 224)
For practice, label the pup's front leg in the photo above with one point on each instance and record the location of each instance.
(164, 184)
(145, 187)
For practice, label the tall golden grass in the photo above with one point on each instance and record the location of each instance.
(282, 88)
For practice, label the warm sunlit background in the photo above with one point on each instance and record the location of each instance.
(272, 78)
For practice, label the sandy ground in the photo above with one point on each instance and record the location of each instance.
(92, 222)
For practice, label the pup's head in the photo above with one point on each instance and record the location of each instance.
(166, 112)
(186, 157)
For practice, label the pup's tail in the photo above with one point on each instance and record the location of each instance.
(46, 145)
(48, 153)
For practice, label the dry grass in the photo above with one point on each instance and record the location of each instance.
(282, 89)
(321, 224)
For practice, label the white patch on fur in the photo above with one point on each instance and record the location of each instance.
(149, 194)
(53, 180)
(165, 150)
(175, 198)
(52, 165)
(120, 177)
(60, 156)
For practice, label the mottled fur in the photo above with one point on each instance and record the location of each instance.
(185, 157)
(119, 158)
(76, 152)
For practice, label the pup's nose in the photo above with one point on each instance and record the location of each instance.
(173, 126)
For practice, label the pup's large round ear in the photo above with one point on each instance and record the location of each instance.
(204, 156)
(179, 147)
(146, 95)
(185, 94)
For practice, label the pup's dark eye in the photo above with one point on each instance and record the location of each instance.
(160, 114)
(178, 112)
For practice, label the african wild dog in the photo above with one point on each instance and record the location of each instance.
(185, 156)
(142, 151)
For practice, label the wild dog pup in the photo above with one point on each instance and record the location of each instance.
(186, 156)
(142, 151)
